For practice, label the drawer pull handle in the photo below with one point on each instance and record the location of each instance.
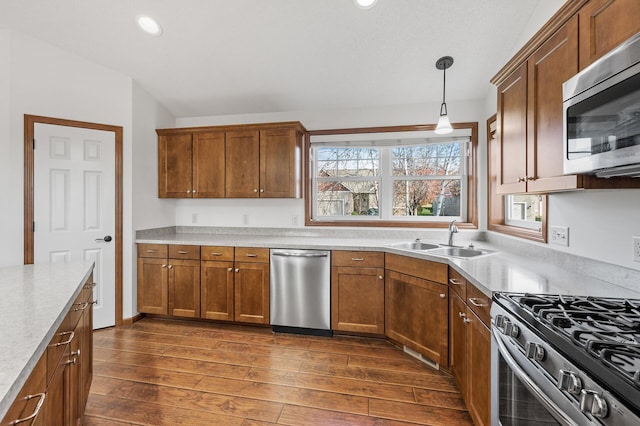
(183, 251)
(83, 306)
(36, 410)
(152, 251)
(71, 335)
(474, 302)
(216, 253)
(251, 255)
(358, 259)
(455, 281)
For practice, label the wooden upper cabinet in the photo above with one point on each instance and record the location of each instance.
(530, 117)
(604, 24)
(209, 165)
(280, 164)
(243, 164)
(239, 161)
(175, 154)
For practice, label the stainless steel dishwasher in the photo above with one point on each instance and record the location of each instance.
(300, 291)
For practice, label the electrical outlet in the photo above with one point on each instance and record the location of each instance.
(560, 235)
(245, 219)
(636, 249)
(294, 220)
(194, 218)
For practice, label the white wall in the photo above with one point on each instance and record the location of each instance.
(283, 212)
(148, 211)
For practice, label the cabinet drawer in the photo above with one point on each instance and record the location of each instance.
(177, 251)
(30, 398)
(216, 253)
(458, 283)
(153, 250)
(432, 271)
(364, 259)
(252, 254)
(479, 303)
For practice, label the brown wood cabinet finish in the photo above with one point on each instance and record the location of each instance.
(357, 291)
(416, 313)
(280, 163)
(208, 165)
(27, 401)
(184, 288)
(432, 271)
(216, 287)
(604, 24)
(458, 283)
(478, 395)
(458, 342)
(153, 285)
(175, 156)
(251, 292)
(243, 164)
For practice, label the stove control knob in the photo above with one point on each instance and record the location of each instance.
(593, 403)
(534, 351)
(569, 381)
(511, 330)
(500, 321)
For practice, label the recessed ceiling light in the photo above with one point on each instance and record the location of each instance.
(149, 25)
(365, 4)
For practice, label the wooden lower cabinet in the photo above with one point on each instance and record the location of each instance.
(357, 292)
(417, 315)
(184, 288)
(56, 392)
(470, 347)
(251, 292)
(216, 289)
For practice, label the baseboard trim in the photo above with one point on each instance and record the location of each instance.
(130, 321)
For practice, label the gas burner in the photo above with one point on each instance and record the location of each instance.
(623, 358)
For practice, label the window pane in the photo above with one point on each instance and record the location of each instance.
(426, 198)
(425, 160)
(341, 162)
(344, 198)
(524, 211)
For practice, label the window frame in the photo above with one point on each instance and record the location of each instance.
(496, 205)
(471, 180)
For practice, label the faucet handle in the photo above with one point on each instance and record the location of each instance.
(417, 240)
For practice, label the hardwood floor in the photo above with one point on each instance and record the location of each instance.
(168, 372)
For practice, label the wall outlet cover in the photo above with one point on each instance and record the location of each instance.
(636, 249)
(559, 235)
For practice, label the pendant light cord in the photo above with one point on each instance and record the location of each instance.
(443, 107)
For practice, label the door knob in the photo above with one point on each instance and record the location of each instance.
(106, 239)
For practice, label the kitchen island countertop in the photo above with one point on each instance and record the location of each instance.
(34, 301)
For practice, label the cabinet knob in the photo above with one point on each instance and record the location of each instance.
(188, 191)
(530, 178)
(261, 190)
(443, 296)
(466, 320)
(193, 191)
(381, 277)
(521, 179)
(237, 270)
(230, 269)
(255, 190)
(164, 266)
(170, 266)
(462, 314)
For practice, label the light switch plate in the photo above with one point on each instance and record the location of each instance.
(636, 249)
(559, 235)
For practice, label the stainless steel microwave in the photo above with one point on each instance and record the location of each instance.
(601, 106)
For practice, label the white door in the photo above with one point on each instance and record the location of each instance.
(74, 205)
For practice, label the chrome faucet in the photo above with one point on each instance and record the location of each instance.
(453, 229)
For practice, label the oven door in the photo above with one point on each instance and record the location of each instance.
(522, 393)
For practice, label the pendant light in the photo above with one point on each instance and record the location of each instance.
(444, 125)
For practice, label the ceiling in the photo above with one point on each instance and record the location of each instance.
(220, 57)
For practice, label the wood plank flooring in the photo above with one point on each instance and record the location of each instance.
(169, 372)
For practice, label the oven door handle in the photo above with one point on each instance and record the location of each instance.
(530, 384)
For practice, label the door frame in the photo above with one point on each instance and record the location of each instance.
(29, 131)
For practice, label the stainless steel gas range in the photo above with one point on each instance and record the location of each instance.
(565, 360)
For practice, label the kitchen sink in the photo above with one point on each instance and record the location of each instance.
(459, 252)
(415, 245)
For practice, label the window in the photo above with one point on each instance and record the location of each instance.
(524, 211)
(389, 176)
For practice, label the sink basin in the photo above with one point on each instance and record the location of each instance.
(415, 246)
(459, 252)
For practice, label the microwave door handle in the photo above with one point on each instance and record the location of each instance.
(530, 384)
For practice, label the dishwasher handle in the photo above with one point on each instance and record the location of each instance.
(293, 254)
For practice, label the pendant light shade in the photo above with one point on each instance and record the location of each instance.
(444, 125)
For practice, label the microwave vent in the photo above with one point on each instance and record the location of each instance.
(632, 170)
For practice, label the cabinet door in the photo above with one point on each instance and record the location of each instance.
(184, 288)
(458, 342)
(479, 370)
(86, 355)
(152, 286)
(252, 292)
(208, 165)
(512, 128)
(280, 163)
(551, 65)
(216, 289)
(73, 378)
(417, 315)
(175, 166)
(56, 403)
(357, 299)
(29, 399)
(242, 162)
(604, 24)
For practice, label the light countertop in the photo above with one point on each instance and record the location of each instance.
(504, 271)
(33, 303)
